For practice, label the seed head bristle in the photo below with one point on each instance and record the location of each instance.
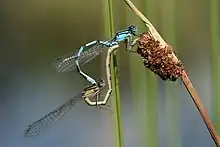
(159, 59)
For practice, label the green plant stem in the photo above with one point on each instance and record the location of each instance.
(215, 57)
(152, 137)
(152, 127)
(172, 96)
(138, 88)
(109, 27)
(115, 87)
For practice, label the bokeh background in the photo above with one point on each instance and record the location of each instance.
(154, 113)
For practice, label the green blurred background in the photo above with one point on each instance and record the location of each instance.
(154, 113)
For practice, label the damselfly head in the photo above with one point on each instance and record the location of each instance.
(101, 83)
(132, 29)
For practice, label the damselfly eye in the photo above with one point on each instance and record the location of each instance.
(132, 29)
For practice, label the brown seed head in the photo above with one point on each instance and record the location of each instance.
(159, 59)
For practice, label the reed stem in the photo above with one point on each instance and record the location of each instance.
(215, 53)
(202, 111)
(185, 78)
(115, 103)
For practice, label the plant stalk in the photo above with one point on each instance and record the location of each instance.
(202, 111)
(185, 78)
(109, 26)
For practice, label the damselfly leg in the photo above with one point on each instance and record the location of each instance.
(89, 51)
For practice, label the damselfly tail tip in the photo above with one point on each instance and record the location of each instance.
(28, 132)
(161, 60)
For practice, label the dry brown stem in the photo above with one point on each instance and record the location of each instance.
(185, 79)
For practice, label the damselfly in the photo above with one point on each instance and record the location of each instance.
(89, 51)
(49, 119)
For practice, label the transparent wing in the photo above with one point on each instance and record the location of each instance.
(66, 62)
(49, 119)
